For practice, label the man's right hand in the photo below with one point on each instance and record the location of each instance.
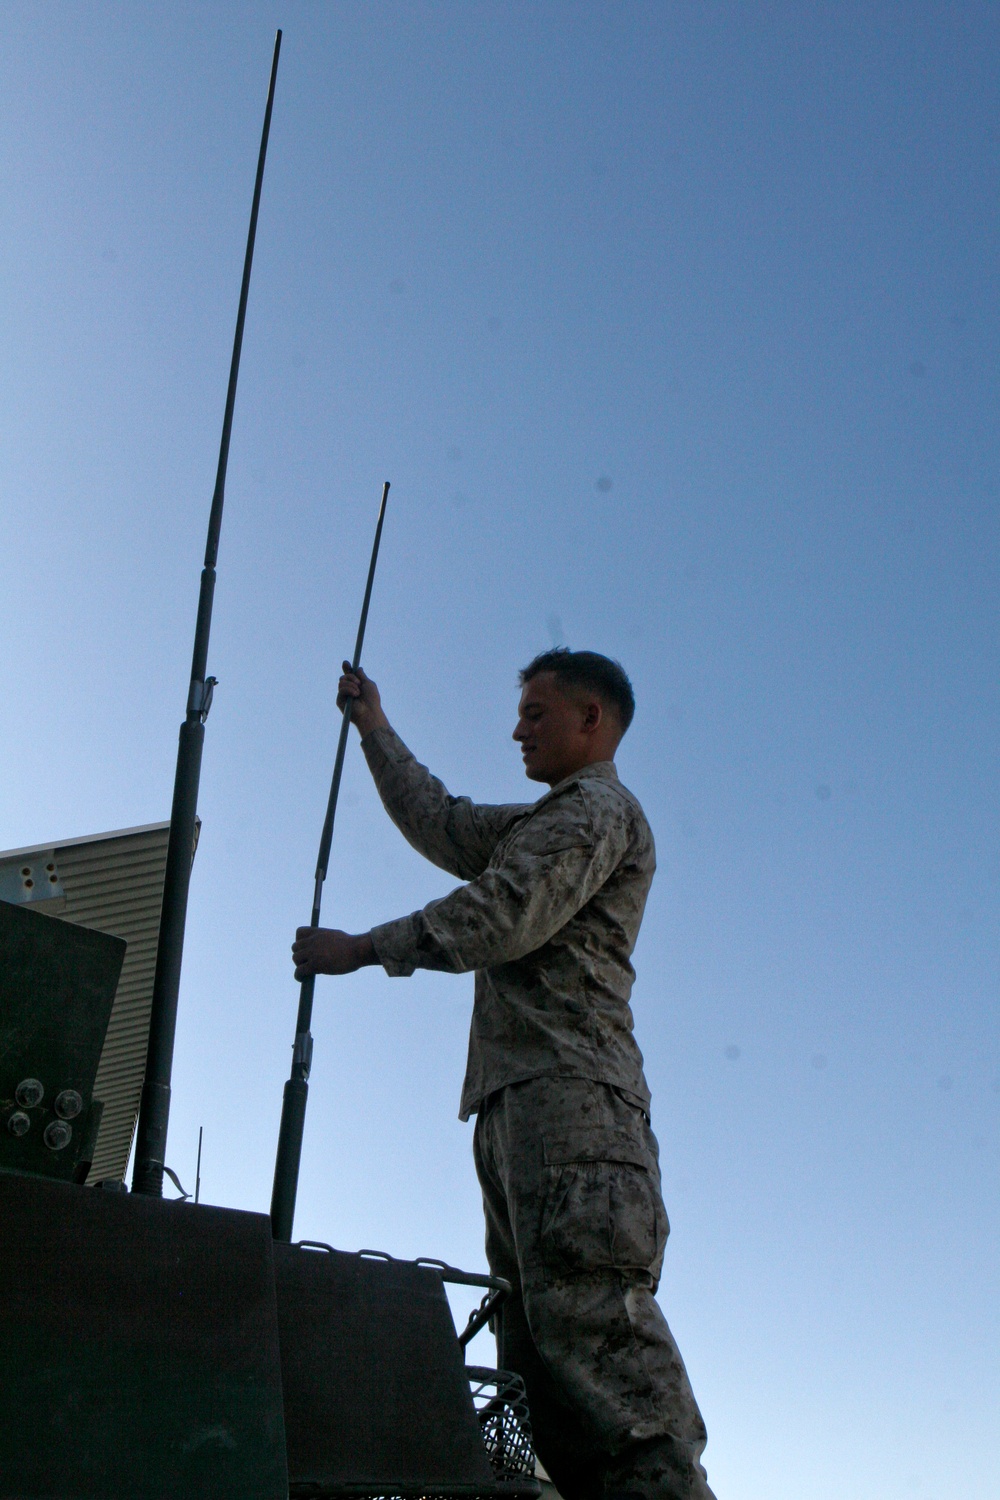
(367, 705)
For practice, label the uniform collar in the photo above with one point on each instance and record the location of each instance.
(604, 769)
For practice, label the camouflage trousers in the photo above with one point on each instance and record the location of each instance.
(575, 1221)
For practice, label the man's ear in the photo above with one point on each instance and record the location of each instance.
(593, 717)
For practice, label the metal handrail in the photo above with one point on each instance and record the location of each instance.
(497, 1288)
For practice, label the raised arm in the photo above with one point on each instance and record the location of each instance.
(547, 872)
(454, 833)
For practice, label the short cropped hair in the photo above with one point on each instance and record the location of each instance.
(596, 674)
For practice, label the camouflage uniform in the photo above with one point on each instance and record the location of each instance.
(566, 1159)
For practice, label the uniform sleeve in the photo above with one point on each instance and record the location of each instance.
(454, 833)
(548, 870)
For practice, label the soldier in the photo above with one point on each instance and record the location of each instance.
(566, 1158)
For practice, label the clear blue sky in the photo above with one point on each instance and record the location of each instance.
(675, 328)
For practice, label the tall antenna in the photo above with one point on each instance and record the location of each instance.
(154, 1108)
(296, 1093)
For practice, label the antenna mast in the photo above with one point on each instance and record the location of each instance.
(154, 1109)
(296, 1093)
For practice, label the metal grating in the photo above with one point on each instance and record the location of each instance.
(502, 1408)
(112, 882)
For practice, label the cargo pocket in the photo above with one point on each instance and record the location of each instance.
(600, 1212)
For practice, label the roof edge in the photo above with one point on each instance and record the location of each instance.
(93, 838)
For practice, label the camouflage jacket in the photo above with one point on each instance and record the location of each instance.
(548, 920)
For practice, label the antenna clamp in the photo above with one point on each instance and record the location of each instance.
(200, 696)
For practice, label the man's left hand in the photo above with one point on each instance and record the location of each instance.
(324, 950)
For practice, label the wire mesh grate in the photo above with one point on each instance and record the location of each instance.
(502, 1408)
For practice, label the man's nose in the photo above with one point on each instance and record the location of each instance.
(520, 730)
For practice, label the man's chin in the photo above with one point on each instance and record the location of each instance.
(535, 772)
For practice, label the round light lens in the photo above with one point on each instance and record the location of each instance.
(18, 1123)
(57, 1135)
(68, 1104)
(29, 1092)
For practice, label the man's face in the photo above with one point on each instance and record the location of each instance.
(555, 732)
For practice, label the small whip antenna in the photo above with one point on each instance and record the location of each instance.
(296, 1094)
